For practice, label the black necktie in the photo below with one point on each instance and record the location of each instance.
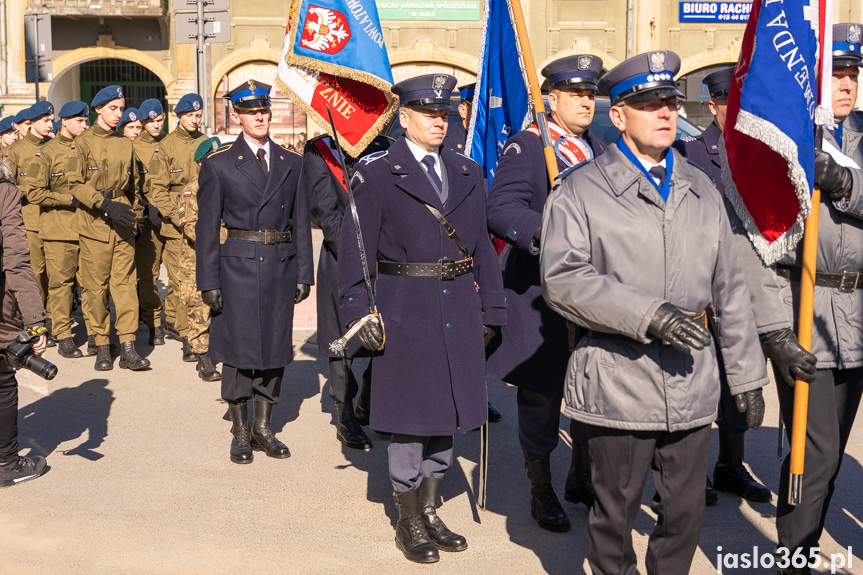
(429, 163)
(658, 172)
(262, 159)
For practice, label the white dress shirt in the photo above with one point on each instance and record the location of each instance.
(419, 154)
(255, 147)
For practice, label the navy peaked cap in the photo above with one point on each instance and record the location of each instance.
(579, 71)
(643, 77)
(718, 82)
(847, 39)
(427, 92)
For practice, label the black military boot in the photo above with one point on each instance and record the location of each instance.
(730, 475)
(544, 504)
(206, 370)
(411, 535)
(157, 336)
(348, 431)
(711, 497)
(443, 538)
(188, 355)
(103, 358)
(579, 487)
(51, 340)
(91, 346)
(67, 348)
(171, 330)
(263, 438)
(129, 358)
(241, 444)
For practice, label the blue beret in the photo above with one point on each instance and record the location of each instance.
(189, 103)
(718, 82)
(579, 71)
(250, 95)
(150, 109)
(846, 44)
(643, 77)
(107, 94)
(19, 117)
(429, 91)
(129, 115)
(6, 124)
(207, 146)
(37, 110)
(74, 109)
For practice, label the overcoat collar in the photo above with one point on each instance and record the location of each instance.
(414, 181)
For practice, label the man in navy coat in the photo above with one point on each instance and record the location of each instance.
(265, 266)
(328, 199)
(438, 295)
(729, 474)
(456, 137)
(534, 351)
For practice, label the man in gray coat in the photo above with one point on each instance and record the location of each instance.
(635, 246)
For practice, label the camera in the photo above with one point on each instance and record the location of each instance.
(21, 355)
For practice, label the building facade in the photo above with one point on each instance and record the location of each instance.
(131, 43)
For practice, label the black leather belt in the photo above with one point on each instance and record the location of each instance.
(847, 280)
(444, 269)
(268, 237)
(111, 194)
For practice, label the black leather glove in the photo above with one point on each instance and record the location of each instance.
(302, 292)
(213, 298)
(489, 332)
(154, 216)
(74, 203)
(788, 356)
(752, 404)
(673, 325)
(371, 335)
(833, 179)
(118, 213)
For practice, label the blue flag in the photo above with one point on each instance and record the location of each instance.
(769, 128)
(500, 104)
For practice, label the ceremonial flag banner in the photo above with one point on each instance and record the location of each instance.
(769, 129)
(500, 103)
(334, 55)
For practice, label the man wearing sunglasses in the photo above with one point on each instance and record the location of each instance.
(635, 246)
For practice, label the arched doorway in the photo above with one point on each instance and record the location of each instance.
(138, 82)
(288, 124)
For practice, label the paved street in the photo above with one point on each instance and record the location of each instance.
(140, 483)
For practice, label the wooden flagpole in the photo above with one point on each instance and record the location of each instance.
(523, 43)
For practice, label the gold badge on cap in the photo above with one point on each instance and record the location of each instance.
(252, 85)
(439, 82)
(854, 34)
(657, 62)
(584, 63)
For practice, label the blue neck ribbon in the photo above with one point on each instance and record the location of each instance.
(665, 188)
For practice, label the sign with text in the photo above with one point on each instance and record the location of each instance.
(217, 27)
(458, 10)
(716, 12)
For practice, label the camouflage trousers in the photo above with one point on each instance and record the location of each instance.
(198, 312)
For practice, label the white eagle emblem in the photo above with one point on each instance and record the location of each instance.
(325, 30)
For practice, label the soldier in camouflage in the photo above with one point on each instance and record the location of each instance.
(198, 313)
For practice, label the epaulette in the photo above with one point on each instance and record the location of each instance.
(571, 169)
(224, 148)
(372, 157)
(291, 150)
(467, 157)
(688, 139)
